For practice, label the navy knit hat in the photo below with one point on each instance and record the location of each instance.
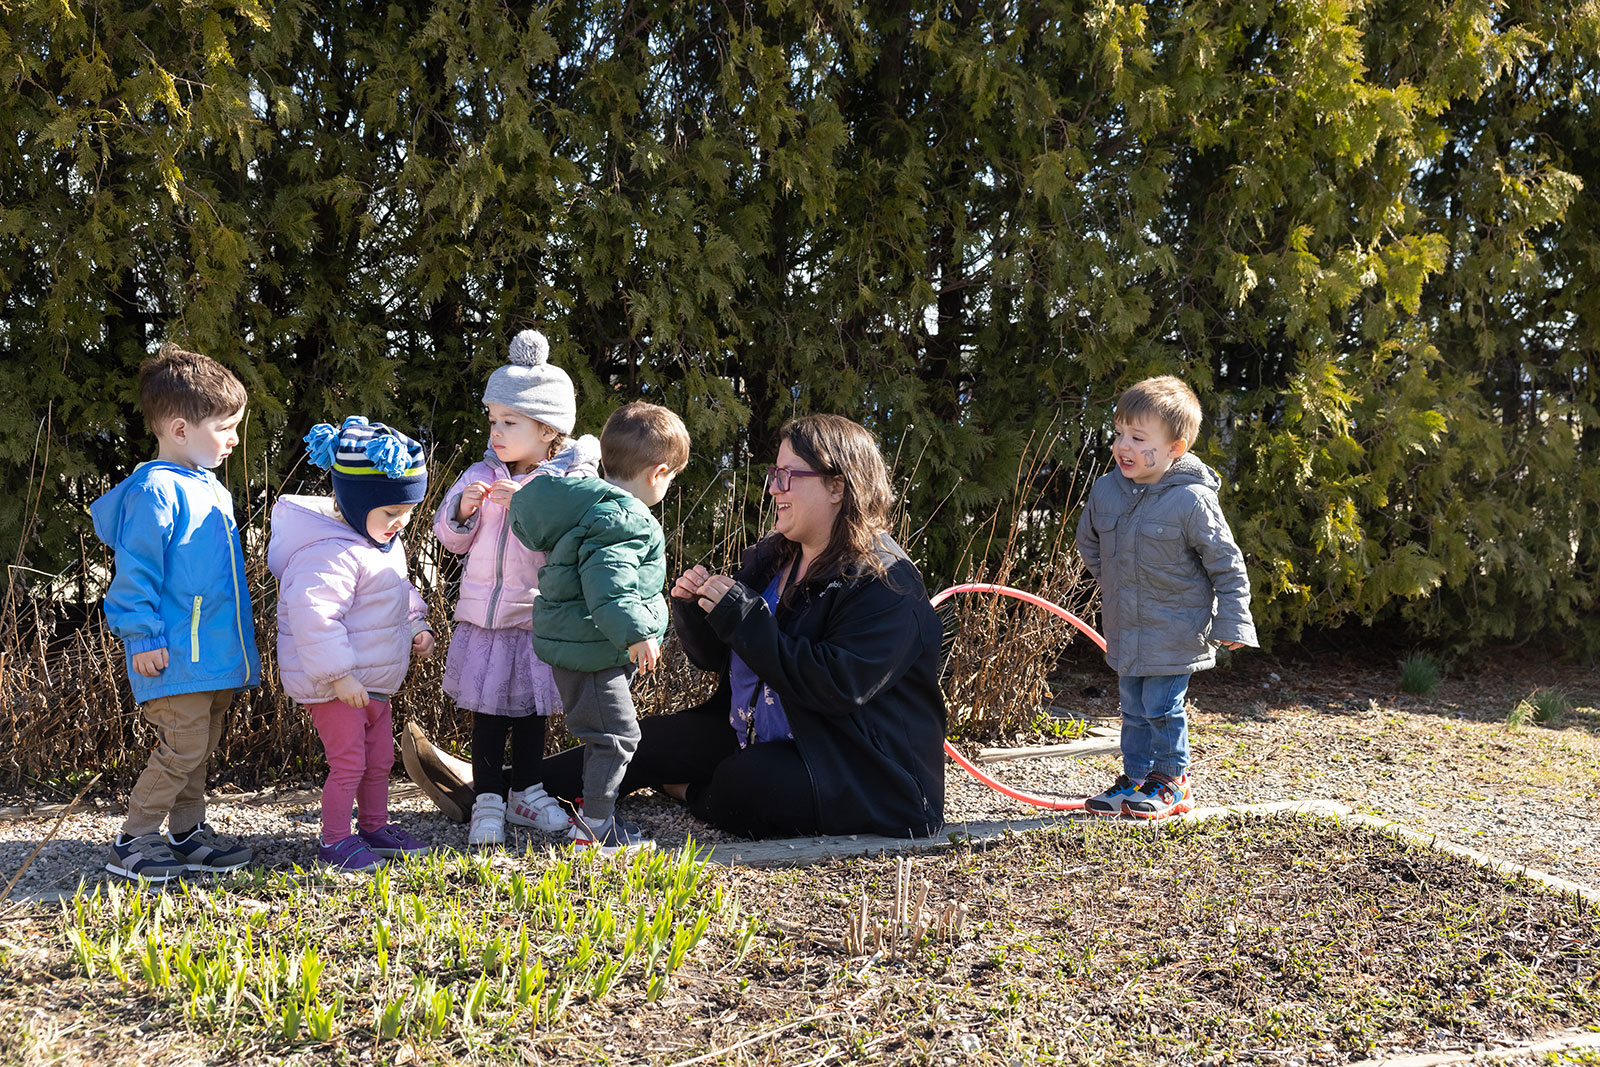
(374, 466)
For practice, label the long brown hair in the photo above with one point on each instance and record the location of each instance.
(848, 454)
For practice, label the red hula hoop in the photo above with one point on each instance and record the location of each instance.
(1052, 804)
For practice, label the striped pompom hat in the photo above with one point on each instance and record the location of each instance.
(373, 465)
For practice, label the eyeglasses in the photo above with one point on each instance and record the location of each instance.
(778, 477)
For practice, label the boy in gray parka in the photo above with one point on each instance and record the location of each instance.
(1172, 587)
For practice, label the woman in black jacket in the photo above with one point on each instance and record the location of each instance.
(828, 716)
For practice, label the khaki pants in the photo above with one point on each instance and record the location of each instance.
(173, 785)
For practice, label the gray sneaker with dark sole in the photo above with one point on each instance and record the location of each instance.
(203, 850)
(146, 856)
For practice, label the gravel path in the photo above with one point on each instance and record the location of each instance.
(1446, 765)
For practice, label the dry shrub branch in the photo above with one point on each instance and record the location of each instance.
(66, 706)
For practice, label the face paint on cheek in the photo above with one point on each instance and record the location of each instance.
(1149, 455)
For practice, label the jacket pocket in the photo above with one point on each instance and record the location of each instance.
(1166, 560)
(1108, 543)
(194, 632)
(913, 784)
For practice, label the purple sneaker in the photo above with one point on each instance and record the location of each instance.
(351, 854)
(390, 841)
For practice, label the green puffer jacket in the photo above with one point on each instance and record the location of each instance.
(600, 589)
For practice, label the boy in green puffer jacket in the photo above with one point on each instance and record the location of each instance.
(600, 613)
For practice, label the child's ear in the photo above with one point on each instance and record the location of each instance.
(1179, 447)
(177, 428)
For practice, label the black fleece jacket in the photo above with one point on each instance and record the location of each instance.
(855, 660)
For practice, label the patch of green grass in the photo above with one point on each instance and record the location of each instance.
(1549, 704)
(1421, 673)
(1542, 707)
(1059, 728)
(448, 950)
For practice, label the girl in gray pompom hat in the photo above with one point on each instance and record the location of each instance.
(491, 669)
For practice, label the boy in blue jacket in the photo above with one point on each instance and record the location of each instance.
(1173, 588)
(179, 603)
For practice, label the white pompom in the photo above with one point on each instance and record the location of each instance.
(529, 349)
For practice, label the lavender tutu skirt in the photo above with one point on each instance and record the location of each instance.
(495, 672)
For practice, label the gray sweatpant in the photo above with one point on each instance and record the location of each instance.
(600, 714)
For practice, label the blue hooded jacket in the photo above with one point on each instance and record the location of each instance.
(180, 580)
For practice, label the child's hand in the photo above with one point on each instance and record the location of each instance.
(646, 654)
(422, 645)
(150, 663)
(351, 692)
(501, 492)
(471, 499)
(687, 587)
(1233, 646)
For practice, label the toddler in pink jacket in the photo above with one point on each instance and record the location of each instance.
(349, 621)
(491, 669)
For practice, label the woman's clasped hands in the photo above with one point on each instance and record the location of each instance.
(701, 586)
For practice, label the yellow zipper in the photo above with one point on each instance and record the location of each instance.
(233, 571)
(194, 633)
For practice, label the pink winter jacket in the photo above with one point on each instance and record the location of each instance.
(344, 605)
(501, 574)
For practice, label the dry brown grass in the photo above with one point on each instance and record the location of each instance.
(996, 676)
(67, 709)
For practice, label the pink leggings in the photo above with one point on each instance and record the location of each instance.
(360, 747)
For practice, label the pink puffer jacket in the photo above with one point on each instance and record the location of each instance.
(345, 606)
(501, 574)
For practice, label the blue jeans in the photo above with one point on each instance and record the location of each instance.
(1155, 730)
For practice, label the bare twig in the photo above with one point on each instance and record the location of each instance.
(6, 896)
(763, 1036)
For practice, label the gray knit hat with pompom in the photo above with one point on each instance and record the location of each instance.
(530, 385)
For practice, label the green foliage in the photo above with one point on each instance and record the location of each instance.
(1421, 673)
(1542, 706)
(1366, 233)
(482, 951)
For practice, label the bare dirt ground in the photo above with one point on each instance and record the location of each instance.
(1292, 943)
(1338, 727)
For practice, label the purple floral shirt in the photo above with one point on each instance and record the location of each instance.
(757, 713)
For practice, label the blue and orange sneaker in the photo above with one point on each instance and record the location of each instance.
(1160, 797)
(1112, 800)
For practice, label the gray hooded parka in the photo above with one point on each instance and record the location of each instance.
(1173, 584)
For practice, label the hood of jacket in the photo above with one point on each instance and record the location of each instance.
(109, 512)
(556, 505)
(299, 521)
(1189, 470)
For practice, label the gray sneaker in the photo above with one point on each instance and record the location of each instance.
(203, 850)
(609, 837)
(147, 856)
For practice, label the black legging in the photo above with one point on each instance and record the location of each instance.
(489, 751)
(760, 791)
